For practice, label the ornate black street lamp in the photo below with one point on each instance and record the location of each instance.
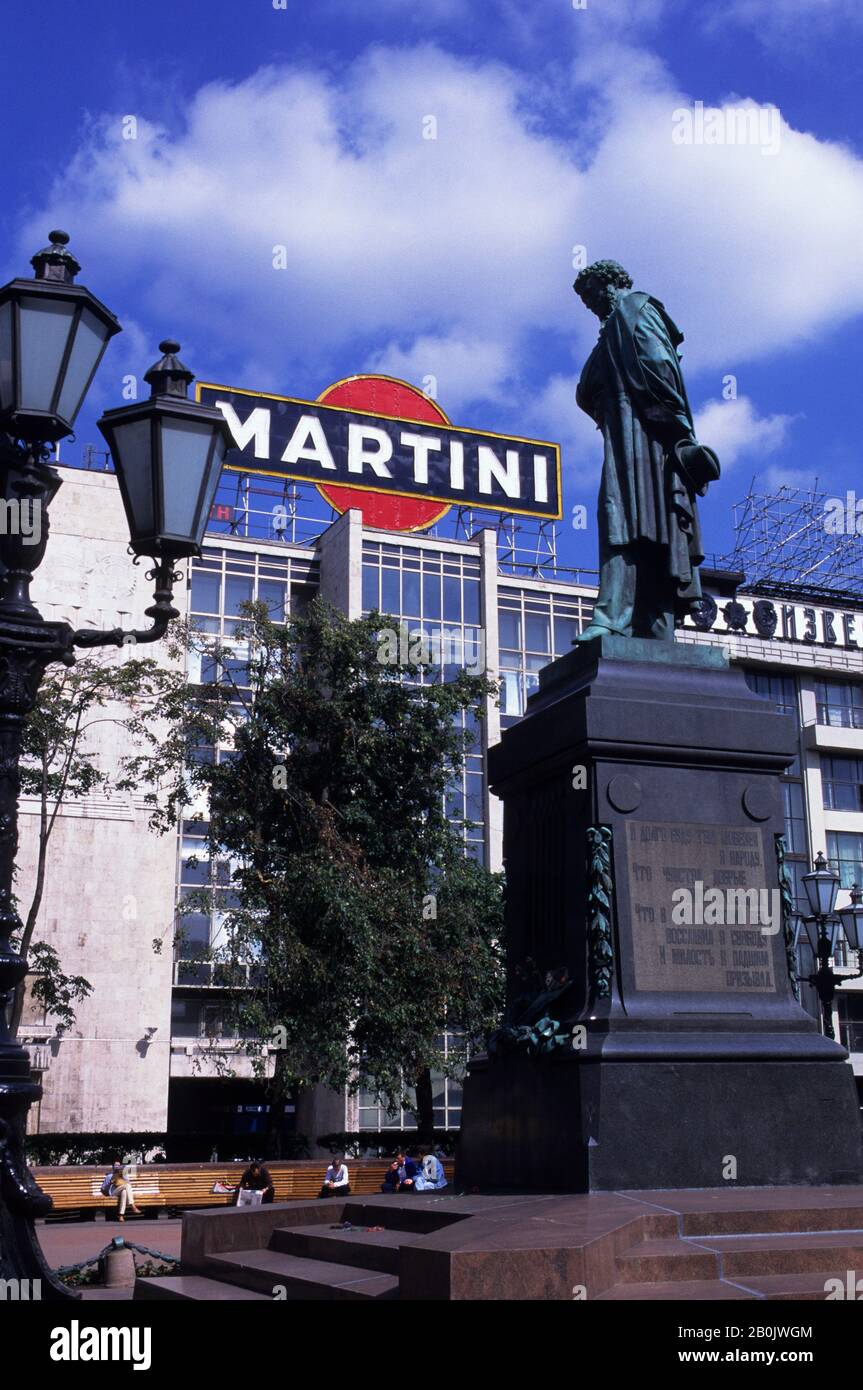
(823, 926)
(167, 452)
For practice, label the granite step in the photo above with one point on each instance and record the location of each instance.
(684, 1291)
(193, 1287)
(786, 1288)
(267, 1271)
(789, 1252)
(378, 1250)
(807, 1287)
(666, 1260)
(767, 1220)
(734, 1257)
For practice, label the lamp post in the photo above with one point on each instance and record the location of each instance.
(167, 452)
(823, 926)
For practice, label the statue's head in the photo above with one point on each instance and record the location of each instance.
(600, 286)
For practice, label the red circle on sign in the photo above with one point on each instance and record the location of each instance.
(398, 400)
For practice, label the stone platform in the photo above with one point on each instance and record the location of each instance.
(712, 1244)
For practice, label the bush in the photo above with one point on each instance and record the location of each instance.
(143, 1146)
(384, 1143)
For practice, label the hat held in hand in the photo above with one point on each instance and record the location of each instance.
(697, 464)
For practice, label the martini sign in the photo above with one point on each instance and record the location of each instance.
(385, 448)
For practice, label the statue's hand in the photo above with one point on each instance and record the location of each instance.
(697, 464)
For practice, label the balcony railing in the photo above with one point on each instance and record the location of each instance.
(840, 716)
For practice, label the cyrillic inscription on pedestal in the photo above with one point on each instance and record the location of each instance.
(704, 916)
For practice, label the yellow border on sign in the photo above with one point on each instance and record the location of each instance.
(377, 415)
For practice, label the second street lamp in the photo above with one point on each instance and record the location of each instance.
(52, 337)
(823, 926)
(168, 452)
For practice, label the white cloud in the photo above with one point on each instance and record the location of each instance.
(735, 430)
(784, 18)
(461, 244)
(553, 414)
(461, 370)
(777, 476)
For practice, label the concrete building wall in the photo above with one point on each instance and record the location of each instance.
(341, 553)
(110, 881)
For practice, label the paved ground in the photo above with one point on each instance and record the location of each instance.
(67, 1242)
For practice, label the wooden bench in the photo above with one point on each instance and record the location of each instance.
(176, 1186)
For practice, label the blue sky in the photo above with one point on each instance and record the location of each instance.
(305, 127)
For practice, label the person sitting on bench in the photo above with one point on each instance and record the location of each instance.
(410, 1173)
(336, 1182)
(432, 1177)
(393, 1175)
(257, 1179)
(117, 1185)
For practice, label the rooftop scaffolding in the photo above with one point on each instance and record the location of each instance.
(798, 537)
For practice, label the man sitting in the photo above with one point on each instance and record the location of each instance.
(336, 1183)
(393, 1175)
(256, 1179)
(409, 1173)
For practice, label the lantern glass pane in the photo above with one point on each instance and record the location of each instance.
(185, 447)
(6, 383)
(828, 887)
(90, 339)
(850, 920)
(812, 932)
(45, 326)
(133, 460)
(821, 889)
(220, 448)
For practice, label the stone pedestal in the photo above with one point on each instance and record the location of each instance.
(648, 942)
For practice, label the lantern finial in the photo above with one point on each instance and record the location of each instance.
(169, 376)
(54, 262)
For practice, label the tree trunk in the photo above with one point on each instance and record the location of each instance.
(424, 1108)
(277, 1093)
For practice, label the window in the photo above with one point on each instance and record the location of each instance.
(795, 817)
(273, 593)
(840, 704)
(437, 594)
(238, 590)
(446, 1099)
(779, 688)
(845, 852)
(534, 627)
(374, 1116)
(851, 1019)
(206, 591)
(185, 1018)
(842, 783)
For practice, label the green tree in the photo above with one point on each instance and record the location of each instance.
(358, 929)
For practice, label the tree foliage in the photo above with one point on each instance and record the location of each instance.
(357, 928)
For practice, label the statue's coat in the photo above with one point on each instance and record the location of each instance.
(632, 386)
